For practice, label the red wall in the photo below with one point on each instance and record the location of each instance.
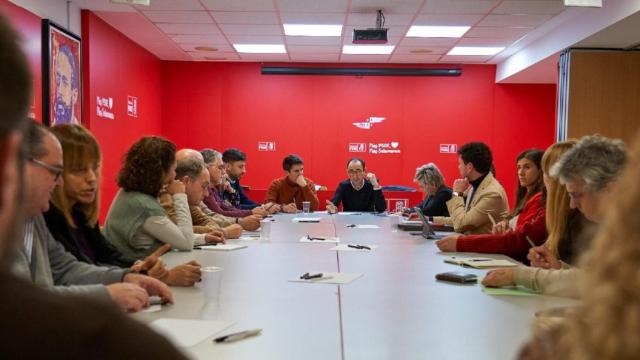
(231, 104)
(115, 67)
(28, 26)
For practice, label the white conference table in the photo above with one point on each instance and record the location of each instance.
(396, 310)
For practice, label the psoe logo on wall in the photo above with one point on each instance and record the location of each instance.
(266, 146)
(392, 147)
(368, 123)
(132, 106)
(448, 148)
(357, 147)
(104, 107)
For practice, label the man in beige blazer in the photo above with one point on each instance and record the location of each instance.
(477, 196)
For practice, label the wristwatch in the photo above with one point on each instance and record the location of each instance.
(455, 193)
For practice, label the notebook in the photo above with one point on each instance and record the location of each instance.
(479, 262)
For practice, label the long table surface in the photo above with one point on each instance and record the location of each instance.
(396, 310)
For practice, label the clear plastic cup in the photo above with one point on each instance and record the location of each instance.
(211, 280)
(265, 229)
(306, 207)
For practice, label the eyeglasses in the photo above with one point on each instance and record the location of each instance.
(356, 171)
(56, 171)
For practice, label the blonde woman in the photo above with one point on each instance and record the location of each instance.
(73, 217)
(606, 325)
(589, 172)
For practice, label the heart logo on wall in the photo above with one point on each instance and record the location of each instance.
(394, 144)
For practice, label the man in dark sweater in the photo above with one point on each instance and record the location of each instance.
(234, 162)
(360, 192)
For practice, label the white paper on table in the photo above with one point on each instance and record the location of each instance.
(152, 308)
(327, 239)
(185, 333)
(306, 219)
(249, 235)
(345, 247)
(222, 247)
(349, 213)
(329, 278)
(366, 226)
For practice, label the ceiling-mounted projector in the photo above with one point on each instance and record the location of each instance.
(377, 35)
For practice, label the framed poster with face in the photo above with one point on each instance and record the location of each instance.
(61, 75)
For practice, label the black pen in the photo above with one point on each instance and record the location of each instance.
(238, 336)
(314, 276)
(360, 247)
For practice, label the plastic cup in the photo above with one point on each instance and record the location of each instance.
(265, 229)
(211, 279)
(306, 207)
(394, 220)
(399, 207)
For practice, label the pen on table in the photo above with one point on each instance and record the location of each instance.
(529, 241)
(199, 247)
(307, 276)
(493, 221)
(238, 336)
(359, 247)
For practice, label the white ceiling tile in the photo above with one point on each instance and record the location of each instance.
(483, 42)
(199, 39)
(237, 29)
(256, 39)
(433, 50)
(183, 17)
(312, 5)
(368, 20)
(447, 19)
(514, 20)
(459, 6)
(498, 32)
(239, 5)
(364, 58)
(313, 49)
(306, 57)
(387, 6)
(245, 17)
(221, 48)
(415, 59)
(265, 57)
(530, 7)
(188, 29)
(172, 5)
(101, 5)
(312, 18)
(465, 58)
(313, 40)
(443, 42)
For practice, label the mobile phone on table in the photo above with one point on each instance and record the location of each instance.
(457, 277)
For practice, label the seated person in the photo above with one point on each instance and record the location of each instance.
(477, 195)
(72, 217)
(532, 221)
(361, 192)
(234, 162)
(37, 323)
(602, 326)
(431, 182)
(215, 201)
(44, 261)
(292, 189)
(136, 222)
(589, 172)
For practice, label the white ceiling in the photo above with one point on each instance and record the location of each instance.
(173, 29)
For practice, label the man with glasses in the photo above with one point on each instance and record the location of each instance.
(361, 192)
(44, 261)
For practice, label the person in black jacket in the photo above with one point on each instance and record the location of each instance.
(361, 192)
(72, 218)
(431, 182)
